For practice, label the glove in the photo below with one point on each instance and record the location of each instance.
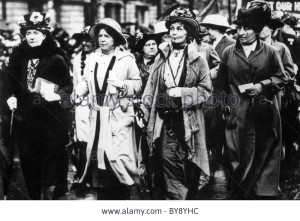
(116, 83)
(51, 97)
(12, 103)
(174, 92)
(255, 90)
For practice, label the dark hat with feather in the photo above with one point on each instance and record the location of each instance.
(256, 16)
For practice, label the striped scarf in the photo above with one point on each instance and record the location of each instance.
(31, 71)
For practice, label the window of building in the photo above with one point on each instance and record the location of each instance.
(113, 11)
(140, 13)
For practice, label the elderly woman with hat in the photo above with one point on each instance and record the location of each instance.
(82, 111)
(178, 85)
(111, 79)
(147, 47)
(250, 75)
(40, 90)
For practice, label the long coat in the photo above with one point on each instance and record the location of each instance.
(116, 136)
(43, 130)
(211, 57)
(195, 92)
(253, 130)
(224, 43)
(293, 44)
(81, 112)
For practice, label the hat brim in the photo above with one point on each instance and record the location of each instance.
(192, 23)
(141, 43)
(214, 25)
(96, 26)
(81, 37)
(275, 23)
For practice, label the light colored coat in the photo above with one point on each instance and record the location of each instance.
(120, 145)
(82, 111)
(195, 92)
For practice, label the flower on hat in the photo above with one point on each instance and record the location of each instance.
(21, 21)
(47, 18)
(36, 18)
(181, 12)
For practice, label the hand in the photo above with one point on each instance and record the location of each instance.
(76, 99)
(51, 97)
(298, 117)
(255, 90)
(140, 122)
(295, 68)
(12, 103)
(175, 92)
(116, 83)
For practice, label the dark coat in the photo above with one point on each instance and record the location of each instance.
(211, 57)
(253, 130)
(144, 70)
(293, 44)
(52, 67)
(224, 43)
(43, 126)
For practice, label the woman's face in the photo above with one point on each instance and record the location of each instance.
(150, 49)
(266, 32)
(34, 38)
(178, 33)
(165, 38)
(88, 46)
(246, 35)
(106, 42)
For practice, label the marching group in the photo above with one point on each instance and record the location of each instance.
(162, 115)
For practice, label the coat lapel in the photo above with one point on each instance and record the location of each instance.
(257, 51)
(223, 40)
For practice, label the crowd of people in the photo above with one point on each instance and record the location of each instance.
(159, 114)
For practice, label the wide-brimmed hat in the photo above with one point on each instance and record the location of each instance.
(36, 20)
(144, 39)
(231, 30)
(83, 35)
(185, 16)
(111, 23)
(215, 20)
(275, 21)
(290, 20)
(160, 28)
(256, 16)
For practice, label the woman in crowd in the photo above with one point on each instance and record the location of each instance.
(147, 48)
(111, 79)
(251, 72)
(82, 111)
(40, 91)
(172, 104)
(161, 31)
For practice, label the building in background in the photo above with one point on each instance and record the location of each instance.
(74, 15)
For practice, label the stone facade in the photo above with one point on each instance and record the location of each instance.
(73, 15)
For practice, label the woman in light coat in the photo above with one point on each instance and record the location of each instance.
(173, 99)
(111, 79)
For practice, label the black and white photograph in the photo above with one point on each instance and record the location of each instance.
(150, 100)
